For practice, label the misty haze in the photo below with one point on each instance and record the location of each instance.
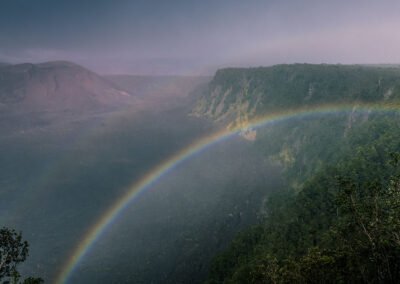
(199, 141)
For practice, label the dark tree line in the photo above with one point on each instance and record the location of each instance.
(13, 251)
(343, 226)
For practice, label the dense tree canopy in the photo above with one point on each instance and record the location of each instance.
(342, 226)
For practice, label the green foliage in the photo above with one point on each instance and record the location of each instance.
(343, 226)
(305, 146)
(299, 85)
(337, 223)
(241, 248)
(13, 251)
(32, 280)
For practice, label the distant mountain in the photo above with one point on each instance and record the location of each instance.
(235, 94)
(158, 86)
(55, 86)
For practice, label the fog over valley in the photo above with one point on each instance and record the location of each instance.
(199, 141)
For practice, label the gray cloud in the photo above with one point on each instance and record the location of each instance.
(198, 36)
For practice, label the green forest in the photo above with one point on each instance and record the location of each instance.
(341, 225)
(337, 218)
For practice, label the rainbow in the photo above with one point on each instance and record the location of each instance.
(152, 177)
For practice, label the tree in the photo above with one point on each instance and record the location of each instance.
(13, 251)
(341, 226)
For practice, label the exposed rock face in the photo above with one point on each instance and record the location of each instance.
(56, 86)
(236, 95)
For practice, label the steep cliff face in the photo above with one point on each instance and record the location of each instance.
(228, 98)
(235, 96)
(238, 94)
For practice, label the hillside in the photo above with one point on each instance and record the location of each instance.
(342, 226)
(334, 223)
(57, 85)
(158, 86)
(237, 94)
(161, 91)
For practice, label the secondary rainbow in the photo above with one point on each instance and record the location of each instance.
(96, 231)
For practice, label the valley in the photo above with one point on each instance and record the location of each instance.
(64, 165)
(200, 142)
(61, 169)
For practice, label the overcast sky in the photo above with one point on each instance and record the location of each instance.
(198, 36)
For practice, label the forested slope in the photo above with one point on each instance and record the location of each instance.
(337, 220)
(236, 96)
(237, 92)
(342, 226)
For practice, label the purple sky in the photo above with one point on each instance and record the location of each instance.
(197, 37)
